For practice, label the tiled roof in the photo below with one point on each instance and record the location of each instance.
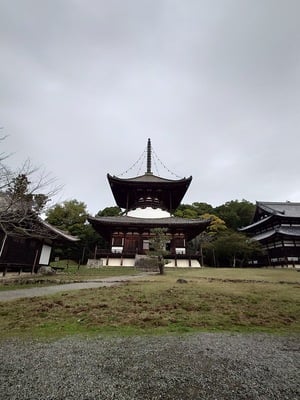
(59, 232)
(125, 220)
(286, 231)
(129, 192)
(286, 209)
(148, 177)
(255, 224)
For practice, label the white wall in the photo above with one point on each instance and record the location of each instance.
(148, 212)
(45, 255)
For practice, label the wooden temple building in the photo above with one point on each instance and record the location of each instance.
(148, 201)
(276, 226)
(27, 246)
(26, 240)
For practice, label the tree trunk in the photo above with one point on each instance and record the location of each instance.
(201, 255)
(161, 265)
(234, 261)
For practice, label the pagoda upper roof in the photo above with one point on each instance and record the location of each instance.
(169, 192)
(148, 177)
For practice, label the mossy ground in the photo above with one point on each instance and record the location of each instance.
(237, 300)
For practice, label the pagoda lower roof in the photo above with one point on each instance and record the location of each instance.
(192, 227)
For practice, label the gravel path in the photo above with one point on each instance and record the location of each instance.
(202, 366)
(8, 295)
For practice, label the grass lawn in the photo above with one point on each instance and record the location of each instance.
(249, 274)
(237, 300)
(71, 273)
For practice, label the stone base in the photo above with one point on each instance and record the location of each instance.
(183, 263)
(130, 262)
(91, 263)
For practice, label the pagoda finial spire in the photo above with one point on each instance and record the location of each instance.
(149, 157)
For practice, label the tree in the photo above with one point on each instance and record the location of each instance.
(236, 213)
(19, 211)
(202, 241)
(22, 199)
(109, 212)
(21, 205)
(158, 241)
(202, 208)
(186, 211)
(24, 195)
(216, 225)
(233, 248)
(71, 216)
(194, 210)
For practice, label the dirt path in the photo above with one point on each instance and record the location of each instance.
(8, 295)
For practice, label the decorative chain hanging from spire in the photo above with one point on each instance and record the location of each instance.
(166, 168)
(140, 159)
(149, 152)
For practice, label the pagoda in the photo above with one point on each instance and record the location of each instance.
(276, 226)
(149, 202)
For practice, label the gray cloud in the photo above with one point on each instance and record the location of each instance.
(215, 84)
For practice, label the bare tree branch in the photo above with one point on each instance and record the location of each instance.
(24, 195)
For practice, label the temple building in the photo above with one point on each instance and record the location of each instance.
(149, 202)
(277, 227)
(27, 246)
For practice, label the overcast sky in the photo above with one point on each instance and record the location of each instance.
(215, 84)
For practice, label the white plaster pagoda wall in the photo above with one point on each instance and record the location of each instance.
(148, 212)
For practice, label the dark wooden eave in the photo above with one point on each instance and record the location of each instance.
(290, 233)
(106, 225)
(33, 227)
(169, 193)
(270, 214)
(284, 209)
(258, 225)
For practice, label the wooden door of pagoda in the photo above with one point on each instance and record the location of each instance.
(131, 245)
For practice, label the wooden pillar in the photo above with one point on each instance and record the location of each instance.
(35, 260)
(3, 244)
(1, 253)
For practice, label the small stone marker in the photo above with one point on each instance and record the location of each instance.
(180, 280)
(46, 270)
